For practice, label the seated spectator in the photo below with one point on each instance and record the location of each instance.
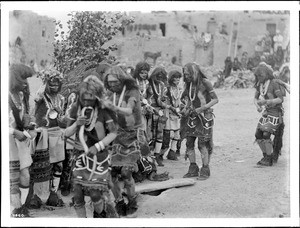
(250, 64)
(244, 60)
(236, 64)
(278, 40)
(228, 67)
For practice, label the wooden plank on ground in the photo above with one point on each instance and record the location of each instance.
(161, 185)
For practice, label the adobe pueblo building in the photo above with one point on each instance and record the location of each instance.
(30, 38)
(204, 37)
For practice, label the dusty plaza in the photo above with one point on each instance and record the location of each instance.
(186, 116)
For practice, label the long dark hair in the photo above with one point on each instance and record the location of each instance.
(101, 68)
(159, 71)
(139, 67)
(18, 74)
(263, 67)
(194, 70)
(173, 74)
(122, 76)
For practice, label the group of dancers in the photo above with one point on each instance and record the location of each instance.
(114, 130)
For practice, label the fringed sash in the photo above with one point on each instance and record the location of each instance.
(41, 168)
(126, 148)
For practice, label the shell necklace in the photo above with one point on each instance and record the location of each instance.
(264, 87)
(175, 92)
(190, 93)
(121, 97)
(155, 89)
(93, 117)
(143, 89)
(54, 104)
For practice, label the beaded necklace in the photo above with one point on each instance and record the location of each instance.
(155, 89)
(174, 92)
(264, 87)
(121, 97)
(144, 84)
(92, 121)
(190, 93)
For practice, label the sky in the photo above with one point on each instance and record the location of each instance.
(57, 15)
(62, 15)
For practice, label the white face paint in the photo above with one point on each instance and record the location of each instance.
(144, 74)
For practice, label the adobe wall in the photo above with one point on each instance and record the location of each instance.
(143, 37)
(35, 45)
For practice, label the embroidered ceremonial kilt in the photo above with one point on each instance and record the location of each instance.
(40, 170)
(158, 124)
(126, 149)
(269, 123)
(200, 126)
(84, 174)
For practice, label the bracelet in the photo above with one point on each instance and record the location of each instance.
(97, 146)
(101, 144)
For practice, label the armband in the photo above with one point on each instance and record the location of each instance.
(101, 144)
(97, 146)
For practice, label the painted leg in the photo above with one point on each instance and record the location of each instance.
(24, 184)
(259, 135)
(172, 154)
(204, 171)
(79, 203)
(158, 156)
(117, 192)
(190, 154)
(109, 207)
(268, 161)
(130, 190)
(166, 141)
(261, 145)
(178, 147)
(80, 211)
(193, 168)
(54, 199)
(96, 198)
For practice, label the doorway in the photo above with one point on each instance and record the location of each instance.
(162, 27)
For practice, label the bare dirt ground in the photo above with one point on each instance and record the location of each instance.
(236, 189)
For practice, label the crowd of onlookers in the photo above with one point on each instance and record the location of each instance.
(268, 49)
